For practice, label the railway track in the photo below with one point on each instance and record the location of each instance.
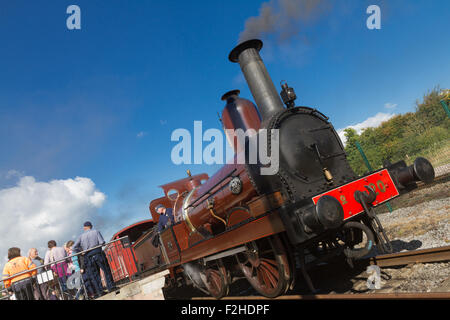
(345, 296)
(439, 179)
(439, 254)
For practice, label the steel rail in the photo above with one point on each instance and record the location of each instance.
(345, 296)
(437, 180)
(439, 254)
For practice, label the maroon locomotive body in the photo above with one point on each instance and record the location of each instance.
(264, 225)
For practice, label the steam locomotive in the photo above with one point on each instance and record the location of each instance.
(268, 227)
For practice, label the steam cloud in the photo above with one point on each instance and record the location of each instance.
(283, 18)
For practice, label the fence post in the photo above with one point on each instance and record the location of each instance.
(444, 105)
(363, 155)
(361, 151)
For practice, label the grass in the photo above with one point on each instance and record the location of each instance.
(438, 154)
(437, 190)
(417, 227)
(417, 224)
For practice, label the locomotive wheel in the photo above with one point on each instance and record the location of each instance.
(266, 266)
(217, 281)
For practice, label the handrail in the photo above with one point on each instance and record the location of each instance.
(208, 192)
(60, 260)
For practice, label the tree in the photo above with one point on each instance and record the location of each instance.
(404, 136)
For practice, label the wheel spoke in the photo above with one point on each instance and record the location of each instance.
(269, 276)
(273, 270)
(269, 270)
(270, 262)
(265, 282)
(216, 282)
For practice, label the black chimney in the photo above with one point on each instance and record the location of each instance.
(258, 79)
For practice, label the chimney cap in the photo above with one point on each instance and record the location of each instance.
(254, 43)
(230, 94)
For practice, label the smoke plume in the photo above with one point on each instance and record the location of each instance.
(283, 18)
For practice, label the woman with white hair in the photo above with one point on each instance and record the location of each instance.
(40, 290)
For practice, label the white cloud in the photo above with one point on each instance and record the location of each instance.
(141, 134)
(371, 122)
(13, 174)
(390, 105)
(32, 212)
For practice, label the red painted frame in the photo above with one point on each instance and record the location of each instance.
(381, 182)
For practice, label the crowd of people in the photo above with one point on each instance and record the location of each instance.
(72, 274)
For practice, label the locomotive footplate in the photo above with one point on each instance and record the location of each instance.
(380, 182)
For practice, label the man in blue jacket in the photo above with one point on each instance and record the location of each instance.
(96, 258)
(165, 217)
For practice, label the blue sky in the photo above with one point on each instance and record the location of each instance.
(102, 102)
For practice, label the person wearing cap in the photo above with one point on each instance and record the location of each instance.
(90, 238)
(165, 217)
(95, 259)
